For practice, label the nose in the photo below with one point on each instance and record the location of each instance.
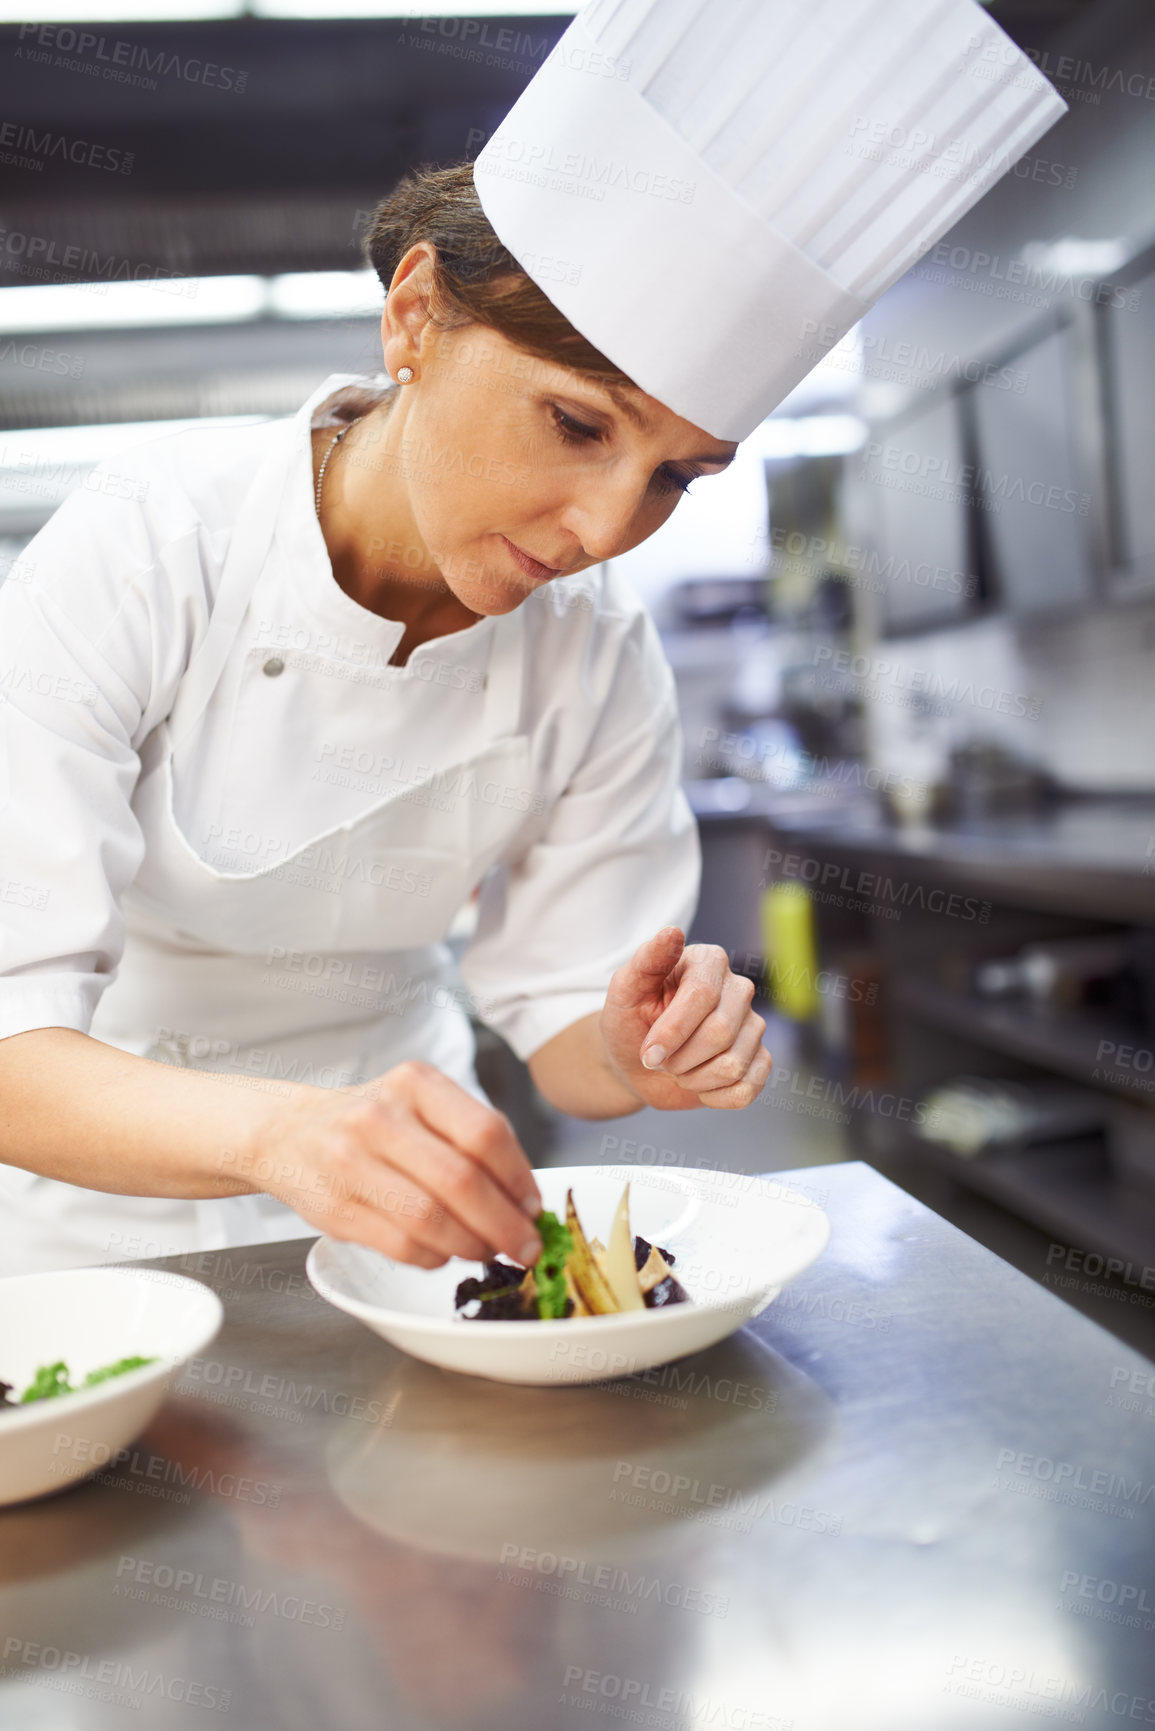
(601, 512)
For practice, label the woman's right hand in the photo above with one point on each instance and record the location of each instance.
(411, 1165)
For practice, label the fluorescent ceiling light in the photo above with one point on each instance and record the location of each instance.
(175, 300)
(186, 300)
(116, 11)
(1071, 257)
(82, 447)
(169, 11)
(439, 9)
(808, 436)
(40, 466)
(326, 294)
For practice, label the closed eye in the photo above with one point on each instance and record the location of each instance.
(573, 432)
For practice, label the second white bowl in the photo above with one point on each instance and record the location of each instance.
(91, 1317)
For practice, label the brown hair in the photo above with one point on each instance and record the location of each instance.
(475, 279)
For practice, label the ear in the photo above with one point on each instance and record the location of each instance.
(406, 327)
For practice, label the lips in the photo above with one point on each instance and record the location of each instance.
(532, 567)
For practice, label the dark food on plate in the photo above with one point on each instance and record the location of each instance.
(52, 1380)
(575, 1276)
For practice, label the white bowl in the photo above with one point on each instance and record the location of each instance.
(738, 1240)
(90, 1317)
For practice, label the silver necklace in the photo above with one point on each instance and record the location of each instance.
(334, 442)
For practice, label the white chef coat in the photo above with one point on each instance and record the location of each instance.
(306, 729)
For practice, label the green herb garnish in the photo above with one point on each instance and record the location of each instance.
(549, 1271)
(49, 1381)
(52, 1379)
(117, 1369)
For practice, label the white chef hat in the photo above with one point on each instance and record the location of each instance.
(714, 191)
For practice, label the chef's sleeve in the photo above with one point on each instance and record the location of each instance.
(77, 669)
(617, 860)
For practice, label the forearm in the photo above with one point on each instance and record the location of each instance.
(75, 1109)
(574, 1073)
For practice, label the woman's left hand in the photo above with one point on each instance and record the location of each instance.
(678, 1029)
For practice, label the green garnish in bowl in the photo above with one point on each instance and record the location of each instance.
(549, 1270)
(52, 1379)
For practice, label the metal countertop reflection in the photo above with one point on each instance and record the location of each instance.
(918, 1492)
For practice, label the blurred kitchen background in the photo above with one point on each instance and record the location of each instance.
(913, 628)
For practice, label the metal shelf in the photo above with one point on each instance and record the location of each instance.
(1062, 1040)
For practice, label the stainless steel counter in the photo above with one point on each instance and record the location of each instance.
(918, 1493)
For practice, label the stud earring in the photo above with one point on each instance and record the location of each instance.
(404, 375)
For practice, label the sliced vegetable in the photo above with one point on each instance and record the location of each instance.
(574, 1276)
(591, 1283)
(667, 1291)
(621, 1272)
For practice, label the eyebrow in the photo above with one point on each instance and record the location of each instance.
(632, 413)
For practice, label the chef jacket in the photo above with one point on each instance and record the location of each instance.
(307, 728)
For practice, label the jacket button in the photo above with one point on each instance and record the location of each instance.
(273, 666)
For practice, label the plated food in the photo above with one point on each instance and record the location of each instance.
(52, 1380)
(729, 1262)
(575, 1275)
(70, 1397)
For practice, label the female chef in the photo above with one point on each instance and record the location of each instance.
(418, 591)
(278, 699)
